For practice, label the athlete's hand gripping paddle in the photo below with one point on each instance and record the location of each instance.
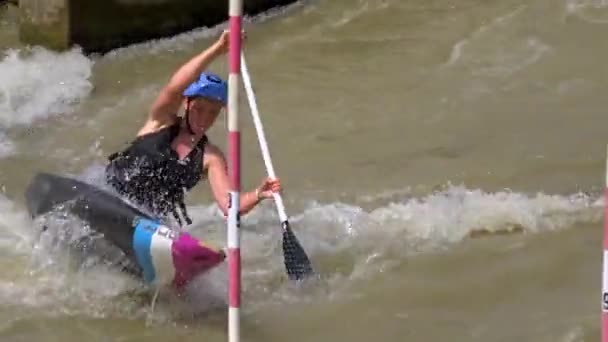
(296, 261)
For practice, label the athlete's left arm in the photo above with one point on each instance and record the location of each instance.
(217, 172)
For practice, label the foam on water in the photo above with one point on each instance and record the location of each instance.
(490, 50)
(348, 242)
(7, 147)
(41, 83)
(344, 241)
(13, 238)
(591, 11)
(36, 84)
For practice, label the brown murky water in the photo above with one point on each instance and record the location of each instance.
(400, 129)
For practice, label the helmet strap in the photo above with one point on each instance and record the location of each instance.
(187, 117)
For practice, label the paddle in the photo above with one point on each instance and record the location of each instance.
(296, 261)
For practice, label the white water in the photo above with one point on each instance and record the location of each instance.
(358, 242)
(493, 94)
(37, 84)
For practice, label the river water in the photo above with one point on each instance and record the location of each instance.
(443, 164)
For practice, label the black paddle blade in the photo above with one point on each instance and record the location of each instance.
(296, 261)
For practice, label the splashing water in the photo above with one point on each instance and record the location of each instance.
(345, 242)
(37, 84)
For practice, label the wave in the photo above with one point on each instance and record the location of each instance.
(344, 241)
(36, 84)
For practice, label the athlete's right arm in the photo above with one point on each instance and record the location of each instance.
(166, 105)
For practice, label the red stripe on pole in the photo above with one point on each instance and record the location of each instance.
(234, 155)
(606, 219)
(234, 171)
(604, 298)
(235, 40)
(234, 294)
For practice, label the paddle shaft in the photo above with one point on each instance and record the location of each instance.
(261, 137)
(296, 261)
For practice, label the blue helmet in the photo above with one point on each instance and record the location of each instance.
(208, 85)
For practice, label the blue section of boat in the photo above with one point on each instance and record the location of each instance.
(142, 240)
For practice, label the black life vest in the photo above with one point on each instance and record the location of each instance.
(150, 173)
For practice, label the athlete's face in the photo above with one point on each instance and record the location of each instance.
(202, 113)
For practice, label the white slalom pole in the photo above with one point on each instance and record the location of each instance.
(234, 171)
